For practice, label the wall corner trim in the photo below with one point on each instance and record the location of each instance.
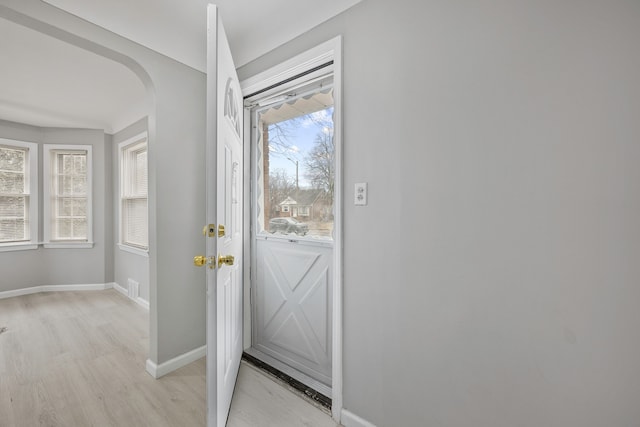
(54, 288)
(349, 419)
(157, 371)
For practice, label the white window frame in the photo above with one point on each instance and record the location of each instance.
(123, 147)
(31, 176)
(50, 150)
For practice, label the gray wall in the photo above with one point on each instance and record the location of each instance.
(176, 102)
(127, 265)
(501, 145)
(24, 269)
(109, 237)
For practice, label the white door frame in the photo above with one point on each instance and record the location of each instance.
(328, 51)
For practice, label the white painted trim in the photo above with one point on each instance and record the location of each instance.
(54, 288)
(350, 419)
(140, 301)
(336, 356)
(120, 289)
(69, 245)
(131, 249)
(34, 195)
(152, 368)
(247, 249)
(8, 247)
(331, 49)
(294, 66)
(46, 190)
(157, 371)
(306, 241)
(141, 138)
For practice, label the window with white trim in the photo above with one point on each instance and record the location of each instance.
(18, 195)
(68, 195)
(134, 227)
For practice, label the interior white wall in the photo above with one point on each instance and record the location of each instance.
(176, 101)
(127, 265)
(42, 267)
(500, 143)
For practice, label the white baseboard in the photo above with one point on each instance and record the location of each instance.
(120, 289)
(349, 419)
(54, 288)
(157, 371)
(144, 303)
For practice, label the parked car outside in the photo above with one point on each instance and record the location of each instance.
(288, 225)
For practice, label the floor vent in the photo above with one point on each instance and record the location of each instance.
(133, 289)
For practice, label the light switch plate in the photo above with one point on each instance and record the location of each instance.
(360, 194)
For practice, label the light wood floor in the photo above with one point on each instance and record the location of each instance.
(78, 358)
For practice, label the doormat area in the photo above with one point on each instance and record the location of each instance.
(308, 392)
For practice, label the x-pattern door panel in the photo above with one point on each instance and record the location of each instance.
(293, 306)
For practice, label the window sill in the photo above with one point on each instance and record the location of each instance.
(68, 245)
(9, 247)
(132, 250)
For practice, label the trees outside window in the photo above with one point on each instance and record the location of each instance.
(297, 162)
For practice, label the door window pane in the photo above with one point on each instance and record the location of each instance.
(296, 166)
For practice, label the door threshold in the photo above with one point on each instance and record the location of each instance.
(317, 398)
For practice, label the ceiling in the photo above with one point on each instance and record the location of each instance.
(49, 83)
(46, 82)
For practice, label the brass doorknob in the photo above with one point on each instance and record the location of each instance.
(226, 259)
(199, 260)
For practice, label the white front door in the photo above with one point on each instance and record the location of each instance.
(224, 216)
